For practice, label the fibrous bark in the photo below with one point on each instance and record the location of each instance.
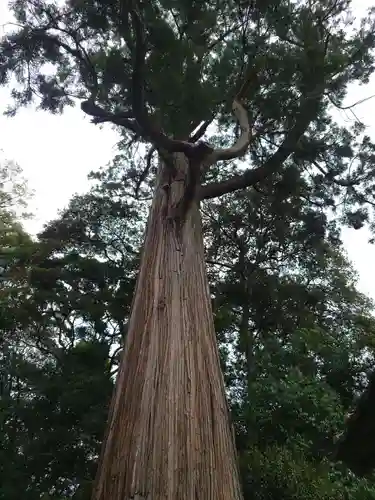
(169, 435)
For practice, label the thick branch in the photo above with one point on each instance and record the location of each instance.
(308, 110)
(100, 115)
(241, 145)
(159, 139)
(142, 123)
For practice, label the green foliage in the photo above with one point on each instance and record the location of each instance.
(291, 379)
(53, 414)
(198, 55)
(281, 472)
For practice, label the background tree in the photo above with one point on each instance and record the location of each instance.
(307, 358)
(207, 49)
(60, 340)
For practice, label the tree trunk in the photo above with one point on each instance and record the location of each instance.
(168, 435)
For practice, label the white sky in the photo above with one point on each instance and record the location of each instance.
(57, 152)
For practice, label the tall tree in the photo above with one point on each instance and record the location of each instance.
(164, 71)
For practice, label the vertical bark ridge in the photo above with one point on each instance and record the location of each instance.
(168, 434)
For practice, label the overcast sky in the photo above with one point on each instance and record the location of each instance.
(57, 152)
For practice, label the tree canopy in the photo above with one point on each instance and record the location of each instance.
(166, 70)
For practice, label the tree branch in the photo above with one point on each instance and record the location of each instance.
(340, 182)
(241, 145)
(345, 108)
(200, 131)
(307, 112)
(100, 115)
(142, 124)
(159, 139)
(145, 172)
(221, 264)
(79, 53)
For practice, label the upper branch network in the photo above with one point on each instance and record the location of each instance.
(139, 120)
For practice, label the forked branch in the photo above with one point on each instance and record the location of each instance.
(140, 122)
(159, 139)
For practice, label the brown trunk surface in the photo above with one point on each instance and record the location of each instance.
(168, 434)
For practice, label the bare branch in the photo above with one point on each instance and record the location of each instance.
(100, 115)
(241, 145)
(307, 112)
(357, 103)
(201, 131)
(243, 142)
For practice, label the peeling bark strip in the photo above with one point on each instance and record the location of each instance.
(169, 435)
